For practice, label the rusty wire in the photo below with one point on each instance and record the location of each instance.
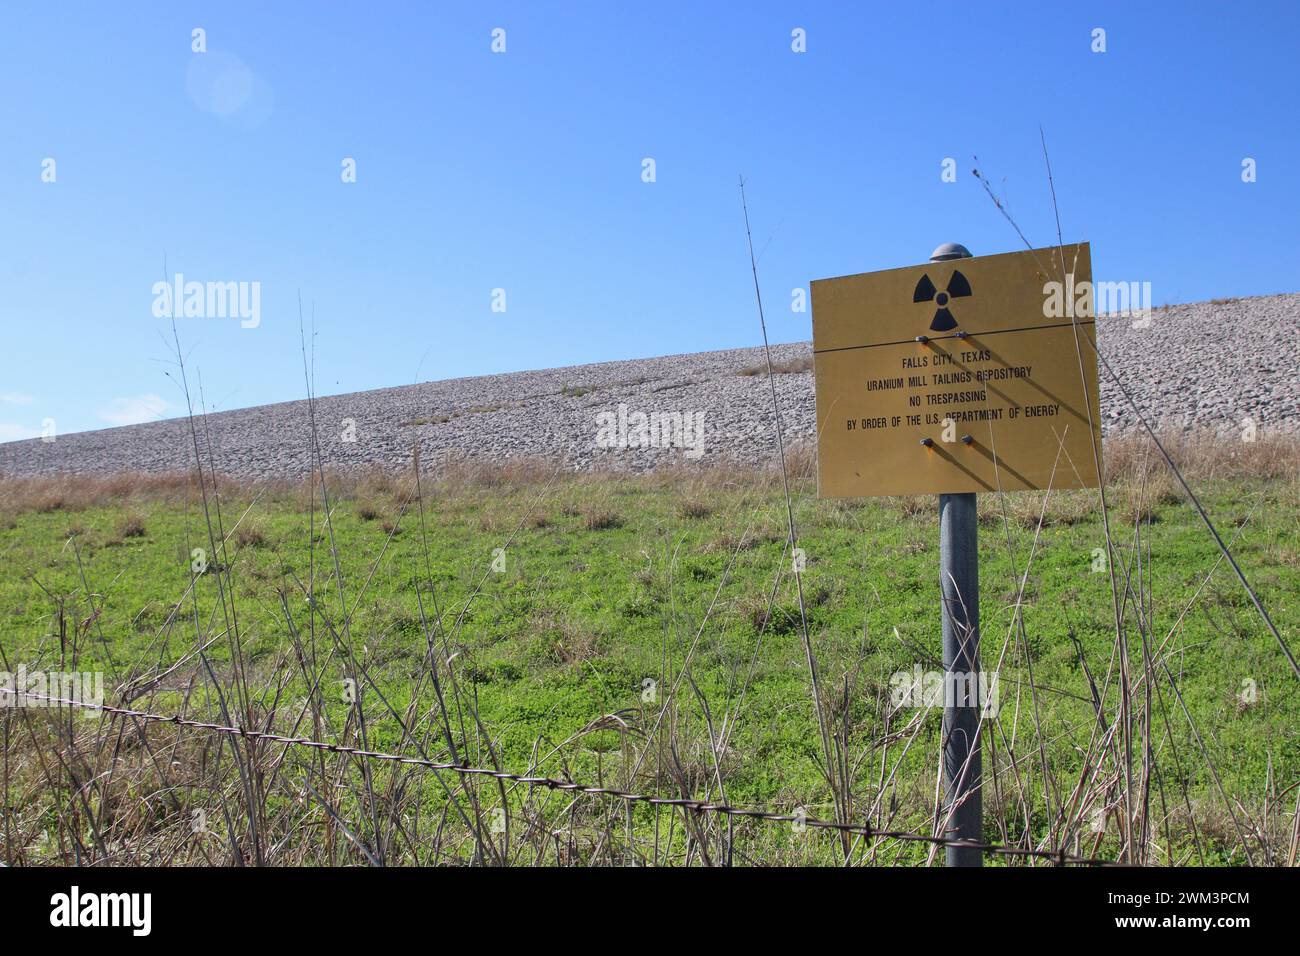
(1058, 857)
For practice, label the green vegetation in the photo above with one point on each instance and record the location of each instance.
(604, 584)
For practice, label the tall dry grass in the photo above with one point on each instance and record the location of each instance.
(1129, 458)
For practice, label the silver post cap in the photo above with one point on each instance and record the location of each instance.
(950, 250)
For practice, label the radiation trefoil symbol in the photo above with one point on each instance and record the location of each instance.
(926, 292)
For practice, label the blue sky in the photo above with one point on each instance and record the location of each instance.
(522, 171)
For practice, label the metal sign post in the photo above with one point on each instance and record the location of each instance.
(953, 378)
(959, 581)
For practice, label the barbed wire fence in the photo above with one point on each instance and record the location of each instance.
(1058, 857)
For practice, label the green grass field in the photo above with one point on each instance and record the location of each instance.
(603, 584)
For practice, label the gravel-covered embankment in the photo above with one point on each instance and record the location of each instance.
(1204, 365)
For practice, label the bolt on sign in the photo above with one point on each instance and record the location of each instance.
(974, 374)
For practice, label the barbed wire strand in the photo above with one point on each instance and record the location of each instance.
(1058, 857)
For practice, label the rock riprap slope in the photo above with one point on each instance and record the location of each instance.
(1207, 365)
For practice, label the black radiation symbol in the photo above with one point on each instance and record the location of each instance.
(926, 292)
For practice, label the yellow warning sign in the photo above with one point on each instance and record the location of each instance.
(974, 374)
